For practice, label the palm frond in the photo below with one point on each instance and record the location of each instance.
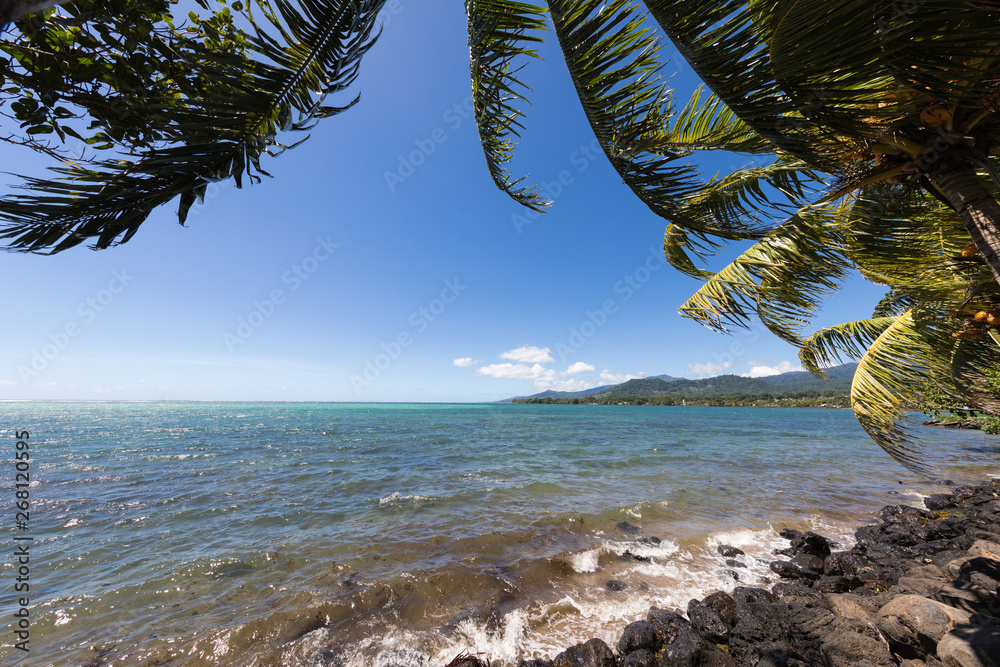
(712, 125)
(780, 279)
(678, 246)
(613, 59)
(500, 36)
(725, 45)
(279, 86)
(834, 345)
(910, 354)
(913, 243)
(751, 202)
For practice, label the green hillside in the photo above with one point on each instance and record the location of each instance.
(797, 388)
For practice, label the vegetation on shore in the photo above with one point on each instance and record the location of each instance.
(807, 399)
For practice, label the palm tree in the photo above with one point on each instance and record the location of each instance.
(181, 110)
(878, 122)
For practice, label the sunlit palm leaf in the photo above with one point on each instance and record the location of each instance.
(842, 342)
(910, 354)
(711, 125)
(781, 279)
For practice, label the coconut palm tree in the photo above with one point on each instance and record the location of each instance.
(874, 127)
(179, 107)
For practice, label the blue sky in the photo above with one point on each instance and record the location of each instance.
(381, 264)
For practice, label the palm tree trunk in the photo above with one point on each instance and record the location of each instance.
(979, 210)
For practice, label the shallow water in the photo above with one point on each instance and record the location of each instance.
(402, 535)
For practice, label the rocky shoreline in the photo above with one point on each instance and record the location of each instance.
(920, 587)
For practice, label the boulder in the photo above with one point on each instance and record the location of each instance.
(535, 662)
(761, 622)
(985, 549)
(811, 544)
(838, 584)
(637, 636)
(852, 643)
(708, 622)
(789, 570)
(692, 650)
(593, 653)
(913, 625)
(727, 551)
(669, 624)
(845, 563)
(746, 594)
(974, 645)
(847, 606)
(641, 658)
(809, 562)
(939, 501)
(723, 603)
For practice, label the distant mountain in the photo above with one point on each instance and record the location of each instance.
(665, 385)
(563, 394)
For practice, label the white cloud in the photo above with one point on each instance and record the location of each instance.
(579, 367)
(759, 370)
(519, 372)
(543, 378)
(709, 369)
(617, 378)
(565, 385)
(528, 354)
(465, 362)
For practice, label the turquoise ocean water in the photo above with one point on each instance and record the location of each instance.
(401, 535)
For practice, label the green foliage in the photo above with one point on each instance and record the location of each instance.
(181, 103)
(875, 131)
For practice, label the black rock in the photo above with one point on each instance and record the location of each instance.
(628, 528)
(691, 650)
(751, 594)
(722, 603)
(790, 533)
(760, 622)
(729, 551)
(845, 563)
(641, 658)
(812, 544)
(809, 562)
(669, 624)
(865, 536)
(939, 501)
(708, 622)
(535, 662)
(639, 635)
(593, 653)
(838, 584)
(734, 563)
(792, 571)
(629, 556)
(615, 585)
(795, 592)
(650, 540)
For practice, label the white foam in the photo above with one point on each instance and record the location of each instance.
(504, 645)
(394, 497)
(585, 561)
